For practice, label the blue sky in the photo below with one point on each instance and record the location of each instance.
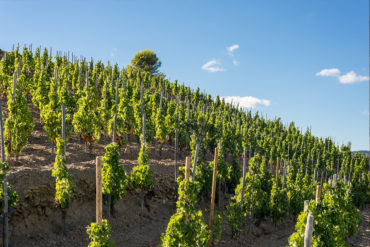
(304, 61)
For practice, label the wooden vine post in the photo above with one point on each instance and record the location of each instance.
(284, 171)
(306, 204)
(143, 141)
(308, 231)
(244, 171)
(176, 144)
(277, 170)
(188, 110)
(124, 87)
(141, 100)
(195, 161)
(14, 84)
(212, 211)
(64, 128)
(114, 139)
(115, 114)
(99, 185)
(105, 95)
(87, 83)
(142, 195)
(5, 188)
(96, 81)
(87, 95)
(64, 210)
(318, 193)
(219, 183)
(160, 101)
(187, 168)
(15, 81)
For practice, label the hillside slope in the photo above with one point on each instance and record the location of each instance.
(280, 156)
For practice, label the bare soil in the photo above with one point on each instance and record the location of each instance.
(362, 239)
(37, 222)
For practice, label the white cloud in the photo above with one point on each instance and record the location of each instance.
(349, 78)
(329, 72)
(352, 77)
(232, 48)
(113, 53)
(247, 101)
(212, 66)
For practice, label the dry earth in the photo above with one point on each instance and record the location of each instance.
(362, 239)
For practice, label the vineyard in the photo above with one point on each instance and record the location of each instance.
(178, 166)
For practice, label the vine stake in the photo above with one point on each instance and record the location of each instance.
(99, 206)
(5, 210)
(213, 197)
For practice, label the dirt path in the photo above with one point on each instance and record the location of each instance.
(362, 239)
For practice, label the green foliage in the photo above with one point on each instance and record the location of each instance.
(125, 110)
(40, 91)
(99, 234)
(360, 181)
(222, 166)
(66, 98)
(121, 134)
(235, 216)
(186, 227)
(25, 80)
(257, 193)
(105, 105)
(86, 122)
(141, 177)
(217, 227)
(204, 174)
(279, 203)
(63, 187)
(262, 184)
(233, 174)
(12, 194)
(170, 121)
(51, 114)
(114, 177)
(146, 60)
(297, 238)
(187, 193)
(52, 122)
(236, 213)
(249, 191)
(299, 190)
(143, 156)
(18, 125)
(335, 217)
(161, 128)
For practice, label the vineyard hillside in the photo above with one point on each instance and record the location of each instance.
(96, 154)
(36, 222)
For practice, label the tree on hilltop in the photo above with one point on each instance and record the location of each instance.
(146, 60)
